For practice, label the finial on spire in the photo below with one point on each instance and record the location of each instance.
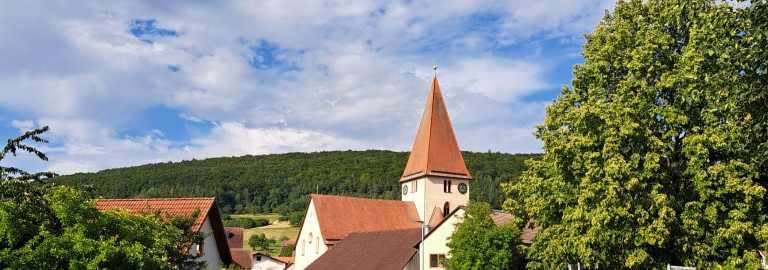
(435, 66)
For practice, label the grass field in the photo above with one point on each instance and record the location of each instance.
(275, 230)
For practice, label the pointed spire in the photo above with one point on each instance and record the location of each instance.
(435, 150)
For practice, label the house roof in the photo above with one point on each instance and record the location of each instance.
(435, 218)
(338, 216)
(526, 235)
(287, 260)
(242, 257)
(177, 207)
(234, 237)
(374, 250)
(435, 150)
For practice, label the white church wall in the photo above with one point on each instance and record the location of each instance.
(310, 244)
(415, 195)
(436, 197)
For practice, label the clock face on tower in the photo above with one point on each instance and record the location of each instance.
(405, 190)
(462, 188)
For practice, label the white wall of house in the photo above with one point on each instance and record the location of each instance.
(310, 244)
(436, 242)
(210, 249)
(266, 263)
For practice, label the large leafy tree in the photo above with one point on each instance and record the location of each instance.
(657, 153)
(479, 243)
(43, 226)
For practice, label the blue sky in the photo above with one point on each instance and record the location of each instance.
(123, 83)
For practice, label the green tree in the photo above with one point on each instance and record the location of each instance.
(260, 241)
(657, 153)
(296, 218)
(479, 243)
(43, 226)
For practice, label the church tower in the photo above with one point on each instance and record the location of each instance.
(435, 178)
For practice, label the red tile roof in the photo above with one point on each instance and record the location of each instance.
(526, 235)
(242, 257)
(436, 218)
(287, 260)
(177, 207)
(234, 237)
(501, 218)
(338, 216)
(373, 250)
(435, 150)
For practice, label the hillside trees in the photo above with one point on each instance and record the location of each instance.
(282, 182)
(658, 152)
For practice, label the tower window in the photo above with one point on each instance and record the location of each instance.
(446, 209)
(303, 246)
(413, 187)
(445, 186)
(317, 245)
(449, 186)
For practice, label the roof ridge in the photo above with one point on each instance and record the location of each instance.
(386, 230)
(358, 198)
(159, 199)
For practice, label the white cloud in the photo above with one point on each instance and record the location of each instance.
(343, 74)
(23, 126)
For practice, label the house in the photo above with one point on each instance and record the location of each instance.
(338, 232)
(262, 261)
(242, 257)
(213, 249)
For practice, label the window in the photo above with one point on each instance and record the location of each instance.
(200, 249)
(434, 260)
(302, 247)
(413, 187)
(258, 257)
(310, 238)
(446, 209)
(317, 245)
(445, 186)
(449, 186)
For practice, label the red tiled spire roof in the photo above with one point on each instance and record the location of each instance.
(435, 150)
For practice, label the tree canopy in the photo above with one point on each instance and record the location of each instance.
(657, 153)
(478, 243)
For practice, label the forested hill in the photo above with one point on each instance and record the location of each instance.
(282, 182)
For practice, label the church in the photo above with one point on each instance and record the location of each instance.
(357, 233)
